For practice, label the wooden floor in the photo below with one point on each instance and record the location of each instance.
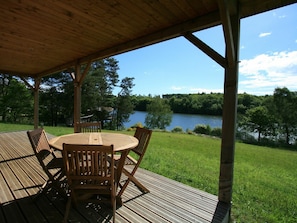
(168, 201)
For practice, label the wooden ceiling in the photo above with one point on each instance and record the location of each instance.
(39, 37)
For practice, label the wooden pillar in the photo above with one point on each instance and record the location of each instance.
(229, 111)
(36, 102)
(77, 97)
(78, 78)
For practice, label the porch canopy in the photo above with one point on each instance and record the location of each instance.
(41, 37)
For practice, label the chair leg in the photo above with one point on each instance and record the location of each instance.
(139, 185)
(68, 206)
(142, 188)
(114, 212)
(44, 188)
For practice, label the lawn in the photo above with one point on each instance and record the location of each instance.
(265, 179)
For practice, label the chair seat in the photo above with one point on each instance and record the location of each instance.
(55, 163)
(128, 161)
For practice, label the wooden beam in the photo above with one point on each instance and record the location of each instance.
(27, 83)
(77, 83)
(229, 114)
(36, 102)
(206, 49)
(225, 7)
(86, 70)
(77, 97)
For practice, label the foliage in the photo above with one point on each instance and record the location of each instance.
(258, 120)
(97, 99)
(159, 114)
(204, 104)
(177, 129)
(216, 132)
(124, 106)
(16, 101)
(202, 129)
(285, 106)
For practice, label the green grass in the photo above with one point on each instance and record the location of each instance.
(265, 179)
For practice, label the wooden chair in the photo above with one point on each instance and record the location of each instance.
(89, 127)
(143, 135)
(90, 173)
(50, 163)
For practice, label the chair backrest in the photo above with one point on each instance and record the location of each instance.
(89, 127)
(89, 166)
(143, 135)
(41, 147)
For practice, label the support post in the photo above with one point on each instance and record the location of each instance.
(78, 78)
(229, 114)
(36, 102)
(77, 97)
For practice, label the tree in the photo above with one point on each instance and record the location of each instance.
(96, 94)
(159, 114)
(16, 101)
(124, 106)
(98, 85)
(56, 99)
(285, 105)
(259, 120)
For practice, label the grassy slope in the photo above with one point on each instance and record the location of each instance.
(265, 179)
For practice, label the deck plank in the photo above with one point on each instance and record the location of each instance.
(168, 201)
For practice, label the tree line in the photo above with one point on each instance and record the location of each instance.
(98, 102)
(271, 117)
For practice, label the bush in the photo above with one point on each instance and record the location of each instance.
(202, 129)
(138, 124)
(216, 132)
(177, 129)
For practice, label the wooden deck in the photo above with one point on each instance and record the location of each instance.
(168, 201)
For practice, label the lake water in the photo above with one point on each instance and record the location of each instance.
(186, 121)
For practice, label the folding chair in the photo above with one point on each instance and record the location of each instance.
(89, 127)
(50, 163)
(143, 135)
(90, 174)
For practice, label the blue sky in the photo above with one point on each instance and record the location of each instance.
(268, 59)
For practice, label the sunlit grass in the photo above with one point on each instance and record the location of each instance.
(265, 179)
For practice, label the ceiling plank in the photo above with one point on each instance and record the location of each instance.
(193, 25)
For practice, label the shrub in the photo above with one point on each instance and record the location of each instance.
(216, 132)
(177, 129)
(202, 129)
(138, 124)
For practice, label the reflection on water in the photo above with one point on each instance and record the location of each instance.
(186, 121)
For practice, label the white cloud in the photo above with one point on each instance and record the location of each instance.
(194, 90)
(264, 34)
(265, 72)
(177, 88)
(279, 16)
(204, 90)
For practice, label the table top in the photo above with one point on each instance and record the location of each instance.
(120, 141)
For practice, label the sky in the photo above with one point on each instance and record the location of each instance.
(268, 59)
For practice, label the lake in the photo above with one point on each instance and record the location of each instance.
(186, 121)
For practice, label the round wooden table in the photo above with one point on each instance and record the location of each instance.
(122, 144)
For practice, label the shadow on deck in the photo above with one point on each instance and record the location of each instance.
(168, 201)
